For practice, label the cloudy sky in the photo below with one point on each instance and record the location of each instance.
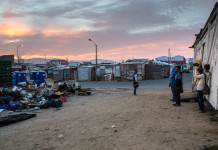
(122, 29)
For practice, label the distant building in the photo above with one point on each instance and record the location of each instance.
(87, 63)
(74, 64)
(163, 59)
(190, 61)
(57, 62)
(174, 60)
(7, 58)
(42, 66)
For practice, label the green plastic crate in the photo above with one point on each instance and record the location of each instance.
(5, 74)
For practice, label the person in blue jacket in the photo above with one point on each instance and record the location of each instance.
(179, 86)
(172, 83)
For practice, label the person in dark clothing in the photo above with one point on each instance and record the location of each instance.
(179, 88)
(135, 82)
(172, 83)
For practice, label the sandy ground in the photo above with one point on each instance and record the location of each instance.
(144, 122)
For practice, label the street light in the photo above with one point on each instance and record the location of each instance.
(96, 51)
(17, 53)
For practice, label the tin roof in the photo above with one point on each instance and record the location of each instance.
(137, 60)
(203, 31)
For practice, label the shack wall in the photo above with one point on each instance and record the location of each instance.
(206, 52)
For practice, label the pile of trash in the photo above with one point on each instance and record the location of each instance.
(19, 98)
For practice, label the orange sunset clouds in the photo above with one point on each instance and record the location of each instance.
(121, 29)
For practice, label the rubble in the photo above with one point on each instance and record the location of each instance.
(25, 98)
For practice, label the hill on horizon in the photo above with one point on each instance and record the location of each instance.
(43, 61)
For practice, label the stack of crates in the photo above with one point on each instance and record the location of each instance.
(5, 74)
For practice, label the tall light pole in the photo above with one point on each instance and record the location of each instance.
(17, 53)
(96, 52)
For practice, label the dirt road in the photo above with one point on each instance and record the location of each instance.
(148, 121)
(145, 84)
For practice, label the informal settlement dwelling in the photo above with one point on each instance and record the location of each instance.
(128, 68)
(157, 70)
(180, 60)
(206, 52)
(109, 71)
(56, 62)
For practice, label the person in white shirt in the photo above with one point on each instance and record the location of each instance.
(135, 82)
(200, 87)
(201, 84)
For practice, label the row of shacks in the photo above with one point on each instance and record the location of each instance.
(116, 71)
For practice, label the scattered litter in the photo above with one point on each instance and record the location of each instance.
(113, 126)
(61, 136)
(37, 108)
(15, 88)
(31, 96)
(131, 135)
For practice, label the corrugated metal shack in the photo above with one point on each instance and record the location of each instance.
(206, 52)
(128, 68)
(58, 74)
(86, 73)
(109, 69)
(157, 70)
(69, 73)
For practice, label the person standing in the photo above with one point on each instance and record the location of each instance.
(172, 83)
(207, 72)
(178, 86)
(135, 82)
(200, 87)
(204, 78)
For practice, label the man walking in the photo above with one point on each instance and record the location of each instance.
(135, 82)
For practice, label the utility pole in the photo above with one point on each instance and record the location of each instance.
(96, 53)
(17, 54)
(169, 56)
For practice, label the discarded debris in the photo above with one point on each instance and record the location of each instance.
(27, 97)
(61, 136)
(45, 96)
(15, 118)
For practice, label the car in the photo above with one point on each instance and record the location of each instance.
(185, 68)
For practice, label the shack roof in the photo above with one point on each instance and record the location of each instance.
(109, 64)
(203, 31)
(132, 63)
(137, 60)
